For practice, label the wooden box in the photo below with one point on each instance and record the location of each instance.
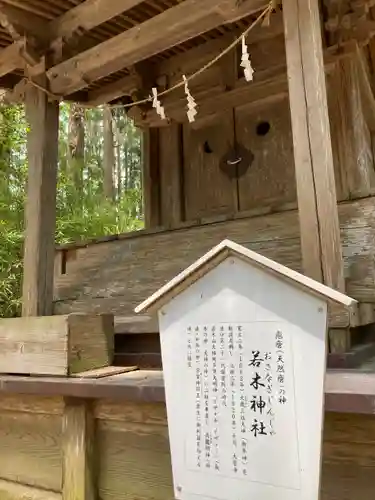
(56, 345)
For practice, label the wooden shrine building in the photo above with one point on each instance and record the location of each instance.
(283, 164)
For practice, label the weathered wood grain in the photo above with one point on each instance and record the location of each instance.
(352, 148)
(208, 191)
(133, 450)
(79, 470)
(14, 491)
(91, 342)
(31, 449)
(125, 440)
(44, 405)
(140, 264)
(270, 179)
(56, 345)
(135, 461)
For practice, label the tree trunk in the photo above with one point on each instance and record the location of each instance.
(77, 145)
(109, 155)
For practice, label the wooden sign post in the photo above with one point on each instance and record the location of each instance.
(244, 352)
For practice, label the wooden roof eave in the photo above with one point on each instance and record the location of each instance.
(158, 33)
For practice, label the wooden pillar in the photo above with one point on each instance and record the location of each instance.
(78, 447)
(40, 213)
(317, 204)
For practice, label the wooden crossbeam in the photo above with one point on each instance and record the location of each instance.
(114, 90)
(186, 63)
(172, 27)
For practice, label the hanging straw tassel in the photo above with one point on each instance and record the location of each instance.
(156, 104)
(191, 104)
(245, 62)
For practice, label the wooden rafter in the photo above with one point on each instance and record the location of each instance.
(81, 18)
(18, 23)
(88, 15)
(172, 27)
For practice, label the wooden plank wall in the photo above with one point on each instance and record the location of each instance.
(187, 160)
(133, 450)
(115, 276)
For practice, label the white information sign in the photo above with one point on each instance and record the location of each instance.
(244, 363)
(241, 402)
(244, 352)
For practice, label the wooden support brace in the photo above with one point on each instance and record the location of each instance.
(78, 441)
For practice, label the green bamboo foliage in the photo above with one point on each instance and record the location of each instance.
(83, 210)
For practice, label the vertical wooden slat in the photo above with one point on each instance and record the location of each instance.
(208, 190)
(350, 132)
(40, 213)
(170, 156)
(319, 226)
(151, 178)
(79, 470)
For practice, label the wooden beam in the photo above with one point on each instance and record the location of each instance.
(124, 86)
(40, 213)
(172, 27)
(184, 63)
(316, 191)
(89, 14)
(269, 85)
(78, 447)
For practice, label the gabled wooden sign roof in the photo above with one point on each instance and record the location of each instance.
(225, 249)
